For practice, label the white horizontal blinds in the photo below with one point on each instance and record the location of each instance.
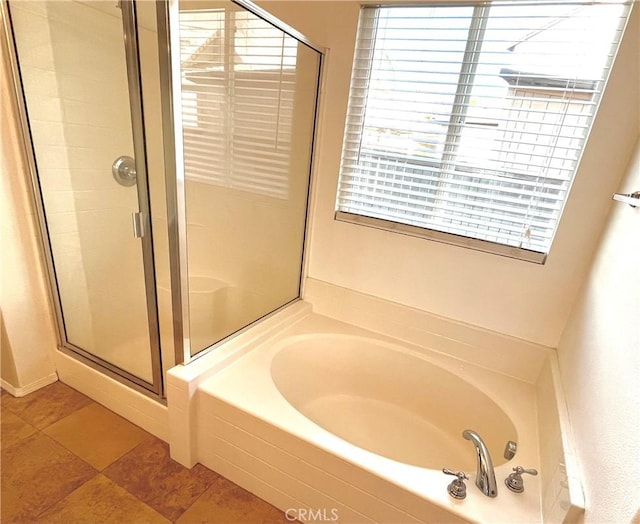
(204, 94)
(238, 88)
(263, 96)
(470, 119)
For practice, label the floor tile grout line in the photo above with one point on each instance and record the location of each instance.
(43, 434)
(37, 517)
(190, 505)
(58, 402)
(132, 451)
(97, 473)
(22, 439)
(38, 399)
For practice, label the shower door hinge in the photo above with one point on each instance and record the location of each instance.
(138, 225)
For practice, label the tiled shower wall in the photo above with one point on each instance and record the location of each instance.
(47, 127)
(75, 79)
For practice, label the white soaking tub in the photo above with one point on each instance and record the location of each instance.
(330, 422)
(385, 400)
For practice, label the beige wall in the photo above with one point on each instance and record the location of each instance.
(525, 300)
(599, 356)
(27, 335)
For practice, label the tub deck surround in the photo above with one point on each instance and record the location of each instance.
(498, 352)
(183, 381)
(562, 492)
(243, 427)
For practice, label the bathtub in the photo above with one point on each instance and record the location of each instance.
(383, 399)
(330, 422)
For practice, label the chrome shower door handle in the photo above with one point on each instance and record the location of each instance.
(138, 224)
(124, 171)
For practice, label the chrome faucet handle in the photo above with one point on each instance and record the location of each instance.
(514, 481)
(460, 474)
(457, 489)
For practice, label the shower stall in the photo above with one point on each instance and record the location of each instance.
(170, 148)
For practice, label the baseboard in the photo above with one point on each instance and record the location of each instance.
(30, 388)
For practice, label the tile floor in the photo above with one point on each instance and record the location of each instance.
(66, 459)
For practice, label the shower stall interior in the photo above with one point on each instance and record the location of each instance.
(170, 147)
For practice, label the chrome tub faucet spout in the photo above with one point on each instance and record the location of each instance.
(485, 475)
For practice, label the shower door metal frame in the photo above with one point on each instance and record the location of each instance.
(155, 388)
(167, 12)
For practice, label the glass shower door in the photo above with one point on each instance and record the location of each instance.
(248, 97)
(81, 90)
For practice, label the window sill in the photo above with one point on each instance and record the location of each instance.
(447, 238)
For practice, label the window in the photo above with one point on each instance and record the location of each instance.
(466, 123)
(238, 91)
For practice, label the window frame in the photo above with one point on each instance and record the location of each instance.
(464, 88)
